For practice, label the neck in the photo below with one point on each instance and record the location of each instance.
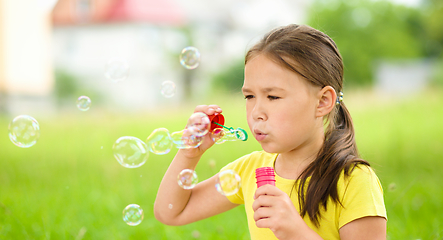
(291, 164)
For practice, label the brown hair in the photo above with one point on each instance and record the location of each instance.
(314, 55)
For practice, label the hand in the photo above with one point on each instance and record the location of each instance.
(207, 138)
(274, 209)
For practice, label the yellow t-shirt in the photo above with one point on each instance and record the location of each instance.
(361, 195)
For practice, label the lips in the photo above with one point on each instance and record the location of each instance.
(259, 135)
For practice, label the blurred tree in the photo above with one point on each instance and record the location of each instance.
(68, 88)
(366, 31)
(432, 25)
(66, 85)
(230, 78)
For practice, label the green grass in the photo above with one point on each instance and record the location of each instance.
(69, 186)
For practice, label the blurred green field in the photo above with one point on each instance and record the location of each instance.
(69, 186)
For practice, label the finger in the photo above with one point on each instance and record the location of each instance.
(201, 108)
(262, 212)
(263, 223)
(263, 201)
(217, 109)
(208, 109)
(266, 189)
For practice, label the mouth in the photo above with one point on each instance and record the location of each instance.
(259, 135)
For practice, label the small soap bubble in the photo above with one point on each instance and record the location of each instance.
(133, 215)
(190, 58)
(212, 163)
(187, 179)
(184, 139)
(159, 142)
(117, 69)
(218, 135)
(228, 182)
(198, 124)
(168, 89)
(196, 234)
(24, 131)
(130, 152)
(83, 103)
(392, 187)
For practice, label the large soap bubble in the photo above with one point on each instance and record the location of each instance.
(228, 182)
(220, 135)
(184, 139)
(190, 57)
(133, 215)
(168, 89)
(83, 103)
(187, 179)
(160, 142)
(117, 69)
(24, 131)
(198, 124)
(130, 152)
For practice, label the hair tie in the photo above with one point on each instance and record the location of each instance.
(339, 98)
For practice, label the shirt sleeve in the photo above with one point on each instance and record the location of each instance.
(361, 196)
(238, 167)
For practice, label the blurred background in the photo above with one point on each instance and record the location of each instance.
(69, 186)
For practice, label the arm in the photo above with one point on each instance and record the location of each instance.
(193, 204)
(370, 228)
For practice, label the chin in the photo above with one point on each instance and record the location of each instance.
(270, 149)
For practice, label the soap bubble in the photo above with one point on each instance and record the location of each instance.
(228, 182)
(392, 187)
(187, 179)
(190, 57)
(168, 89)
(83, 103)
(198, 124)
(184, 139)
(218, 135)
(159, 142)
(24, 131)
(133, 215)
(117, 69)
(130, 152)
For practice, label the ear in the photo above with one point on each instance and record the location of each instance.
(326, 101)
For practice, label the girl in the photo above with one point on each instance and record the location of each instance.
(294, 108)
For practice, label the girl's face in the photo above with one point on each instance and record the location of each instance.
(281, 107)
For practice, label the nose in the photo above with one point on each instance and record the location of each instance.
(259, 112)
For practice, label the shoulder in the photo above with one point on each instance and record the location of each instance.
(361, 194)
(360, 175)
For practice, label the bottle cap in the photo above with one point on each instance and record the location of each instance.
(265, 175)
(218, 118)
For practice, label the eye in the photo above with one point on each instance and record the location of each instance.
(270, 97)
(249, 96)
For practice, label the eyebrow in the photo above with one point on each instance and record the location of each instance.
(266, 90)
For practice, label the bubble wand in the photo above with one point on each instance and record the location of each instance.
(240, 133)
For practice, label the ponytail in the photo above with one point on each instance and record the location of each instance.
(339, 153)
